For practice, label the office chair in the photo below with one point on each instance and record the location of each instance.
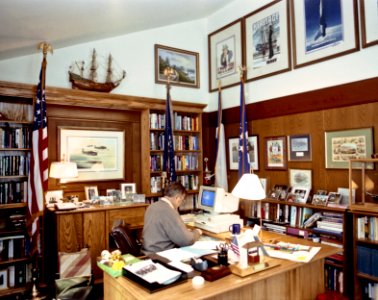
(125, 241)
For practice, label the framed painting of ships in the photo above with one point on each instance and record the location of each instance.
(99, 154)
(184, 63)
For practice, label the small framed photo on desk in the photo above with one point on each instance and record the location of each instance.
(91, 192)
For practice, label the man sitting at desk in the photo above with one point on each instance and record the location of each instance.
(163, 227)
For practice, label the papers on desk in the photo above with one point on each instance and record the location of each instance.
(294, 252)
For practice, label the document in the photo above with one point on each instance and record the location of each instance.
(294, 252)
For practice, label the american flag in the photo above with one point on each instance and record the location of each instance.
(38, 172)
(220, 163)
(169, 152)
(235, 245)
(243, 136)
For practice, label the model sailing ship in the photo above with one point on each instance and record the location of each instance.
(79, 81)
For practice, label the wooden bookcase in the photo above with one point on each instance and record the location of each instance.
(288, 218)
(363, 178)
(15, 144)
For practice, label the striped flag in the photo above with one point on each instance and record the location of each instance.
(235, 245)
(220, 163)
(243, 136)
(38, 171)
(169, 152)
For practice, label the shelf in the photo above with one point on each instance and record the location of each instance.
(14, 261)
(315, 207)
(367, 277)
(13, 205)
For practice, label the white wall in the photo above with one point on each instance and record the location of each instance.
(135, 53)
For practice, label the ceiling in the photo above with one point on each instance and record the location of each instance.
(62, 23)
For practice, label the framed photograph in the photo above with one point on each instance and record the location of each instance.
(253, 151)
(301, 194)
(323, 30)
(319, 199)
(267, 40)
(91, 192)
(333, 198)
(279, 192)
(275, 153)
(127, 188)
(264, 183)
(369, 22)
(343, 145)
(99, 154)
(53, 196)
(185, 63)
(300, 178)
(225, 56)
(299, 147)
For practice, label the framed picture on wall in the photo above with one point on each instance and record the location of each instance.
(300, 178)
(267, 40)
(323, 30)
(275, 153)
(343, 145)
(99, 154)
(225, 56)
(253, 151)
(299, 147)
(185, 63)
(369, 22)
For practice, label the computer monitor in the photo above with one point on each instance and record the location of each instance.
(216, 200)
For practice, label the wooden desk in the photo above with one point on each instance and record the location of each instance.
(288, 281)
(68, 231)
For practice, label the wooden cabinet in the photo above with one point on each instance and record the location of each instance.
(89, 227)
(363, 180)
(15, 143)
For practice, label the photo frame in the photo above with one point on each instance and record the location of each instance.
(299, 147)
(300, 178)
(323, 30)
(53, 196)
(275, 153)
(267, 40)
(319, 199)
(99, 154)
(342, 145)
(301, 194)
(185, 63)
(127, 188)
(3, 279)
(225, 56)
(369, 23)
(91, 192)
(253, 151)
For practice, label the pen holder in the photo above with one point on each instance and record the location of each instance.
(222, 258)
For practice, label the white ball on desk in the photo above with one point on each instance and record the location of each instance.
(198, 281)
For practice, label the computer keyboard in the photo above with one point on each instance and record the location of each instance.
(187, 218)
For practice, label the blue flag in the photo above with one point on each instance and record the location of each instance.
(169, 152)
(243, 160)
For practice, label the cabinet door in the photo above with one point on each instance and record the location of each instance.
(70, 232)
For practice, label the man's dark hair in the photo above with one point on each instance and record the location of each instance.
(173, 189)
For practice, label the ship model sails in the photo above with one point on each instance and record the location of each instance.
(91, 83)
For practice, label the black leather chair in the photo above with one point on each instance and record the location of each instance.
(125, 241)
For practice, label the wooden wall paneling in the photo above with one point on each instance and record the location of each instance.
(70, 232)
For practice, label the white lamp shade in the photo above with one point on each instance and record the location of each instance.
(249, 187)
(63, 170)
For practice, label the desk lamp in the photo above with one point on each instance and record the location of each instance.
(63, 170)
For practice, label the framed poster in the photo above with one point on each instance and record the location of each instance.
(99, 154)
(253, 151)
(323, 30)
(343, 145)
(185, 63)
(300, 178)
(225, 56)
(275, 153)
(369, 22)
(299, 147)
(267, 40)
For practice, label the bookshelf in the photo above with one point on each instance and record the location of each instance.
(363, 176)
(187, 131)
(15, 143)
(329, 227)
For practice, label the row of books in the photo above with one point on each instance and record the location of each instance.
(370, 290)
(183, 162)
(12, 247)
(367, 228)
(15, 276)
(13, 192)
(334, 278)
(367, 260)
(11, 137)
(190, 182)
(181, 142)
(14, 165)
(180, 122)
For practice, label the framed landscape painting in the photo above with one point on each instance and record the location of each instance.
(267, 40)
(185, 63)
(225, 56)
(369, 22)
(323, 30)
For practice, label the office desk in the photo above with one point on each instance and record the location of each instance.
(288, 281)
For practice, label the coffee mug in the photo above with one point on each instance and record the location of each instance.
(234, 228)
